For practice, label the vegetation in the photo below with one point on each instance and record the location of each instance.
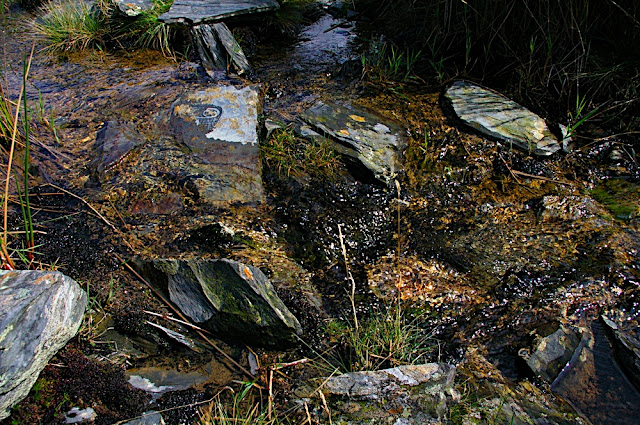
(294, 157)
(242, 409)
(15, 127)
(381, 341)
(563, 58)
(70, 26)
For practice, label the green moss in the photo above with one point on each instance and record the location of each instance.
(619, 196)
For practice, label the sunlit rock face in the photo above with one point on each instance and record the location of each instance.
(219, 126)
(235, 301)
(39, 312)
(375, 142)
(497, 116)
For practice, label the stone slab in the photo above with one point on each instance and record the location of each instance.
(219, 125)
(133, 7)
(39, 312)
(497, 116)
(203, 11)
(376, 142)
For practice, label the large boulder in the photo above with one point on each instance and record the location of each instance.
(39, 312)
(497, 116)
(235, 301)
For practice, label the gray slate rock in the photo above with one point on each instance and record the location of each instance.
(235, 301)
(553, 352)
(411, 394)
(204, 11)
(39, 312)
(114, 141)
(133, 7)
(379, 383)
(625, 332)
(497, 116)
(148, 418)
(219, 125)
(215, 43)
(377, 143)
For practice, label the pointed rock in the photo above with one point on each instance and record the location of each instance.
(235, 301)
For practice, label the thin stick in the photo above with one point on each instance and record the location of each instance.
(176, 311)
(350, 277)
(306, 409)
(509, 168)
(107, 222)
(294, 363)
(531, 176)
(164, 316)
(270, 404)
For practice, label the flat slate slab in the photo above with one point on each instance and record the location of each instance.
(377, 143)
(497, 116)
(204, 11)
(219, 125)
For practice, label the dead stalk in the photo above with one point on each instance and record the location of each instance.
(14, 136)
(352, 297)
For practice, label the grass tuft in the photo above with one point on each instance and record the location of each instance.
(381, 341)
(293, 157)
(69, 25)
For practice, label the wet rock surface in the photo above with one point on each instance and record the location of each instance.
(377, 143)
(219, 126)
(113, 142)
(494, 246)
(200, 11)
(235, 301)
(39, 312)
(497, 116)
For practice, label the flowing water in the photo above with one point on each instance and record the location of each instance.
(494, 260)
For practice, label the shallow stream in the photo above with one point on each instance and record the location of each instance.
(493, 260)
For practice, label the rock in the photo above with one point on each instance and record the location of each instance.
(160, 380)
(78, 416)
(377, 384)
(203, 11)
(415, 394)
(235, 301)
(625, 333)
(148, 418)
(377, 143)
(215, 43)
(570, 208)
(219, 125)
(495, 115)
(553, 352)
(594, 384)
(113, 142)
(39, 312)
(133, 7)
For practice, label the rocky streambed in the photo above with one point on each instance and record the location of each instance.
(521, 267)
